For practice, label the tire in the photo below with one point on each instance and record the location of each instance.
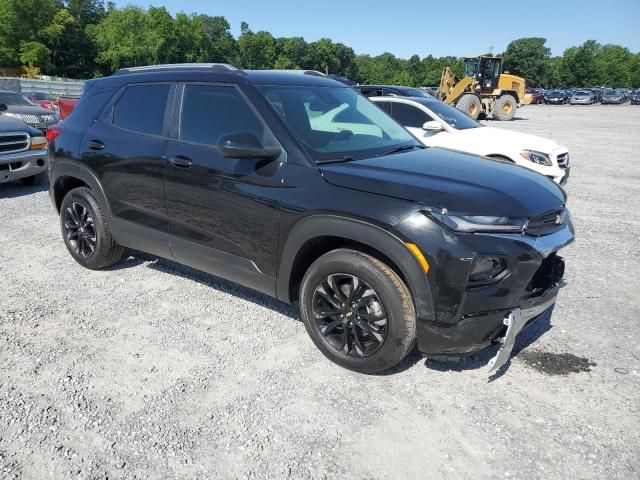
(471, 105)
(381, 296)
(82, 216)
(505, 108)
(41, 178)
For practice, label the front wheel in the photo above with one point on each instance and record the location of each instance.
(471, 105)
(357, 311)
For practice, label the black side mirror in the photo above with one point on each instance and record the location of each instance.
(3, 107)
(246, 145)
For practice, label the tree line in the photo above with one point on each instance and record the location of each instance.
(91, 38)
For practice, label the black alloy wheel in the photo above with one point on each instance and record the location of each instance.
(80, 230)
(350, 315)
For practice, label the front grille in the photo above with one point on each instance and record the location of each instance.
(563, 160)
(13, 142)
(546, 223)
(37, 120)
(548, 275)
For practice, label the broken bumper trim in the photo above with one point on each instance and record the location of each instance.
(515, 322)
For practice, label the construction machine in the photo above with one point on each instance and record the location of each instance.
(484, 89)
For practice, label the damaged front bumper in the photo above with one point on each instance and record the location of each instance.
(515, 322)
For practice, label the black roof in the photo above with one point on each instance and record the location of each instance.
(213, 72)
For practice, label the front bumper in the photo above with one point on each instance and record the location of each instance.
(18, 165)
(470, 318)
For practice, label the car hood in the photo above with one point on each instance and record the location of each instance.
(490, 137)
(12, 124)
(442, 178)
(28, 109)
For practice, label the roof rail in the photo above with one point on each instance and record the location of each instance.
(217, 67)
(315, 73)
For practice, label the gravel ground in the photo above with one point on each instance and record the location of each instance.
(152, 370)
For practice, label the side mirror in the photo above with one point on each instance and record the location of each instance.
(3, 107)
(246, 145)
(432, 126)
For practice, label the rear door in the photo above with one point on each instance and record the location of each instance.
(223, 212)
(125, 147)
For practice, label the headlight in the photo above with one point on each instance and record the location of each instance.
(478, 223)
(38, 143)
(536, 157)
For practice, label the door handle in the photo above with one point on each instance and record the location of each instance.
(95, 144)
(180, 161)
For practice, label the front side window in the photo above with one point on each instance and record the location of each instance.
(211, 111)
(335, 122)
(141, 108)
(454, 117)
(408, 115)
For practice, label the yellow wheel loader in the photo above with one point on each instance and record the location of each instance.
(484, 89)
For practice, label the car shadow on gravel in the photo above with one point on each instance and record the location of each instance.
(481, 359)
(17, 189)
(167, 266)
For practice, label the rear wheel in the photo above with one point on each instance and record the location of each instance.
(86, 232)
(505, 108)
(471, 105)
(357, 311)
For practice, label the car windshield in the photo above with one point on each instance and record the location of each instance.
(414, 92)
(42, 96)
(336, 122)
(556, 92)
(454, 117)
(608, 91)
(10, 98)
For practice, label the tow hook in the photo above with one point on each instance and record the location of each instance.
(515, 322)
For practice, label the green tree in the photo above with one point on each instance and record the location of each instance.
(257, 50)
(578, 67)
(528, 58)
(613, 66)
(34, 54)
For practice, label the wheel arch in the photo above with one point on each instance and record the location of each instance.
(513, 93)
(316, 235)
(68, 176)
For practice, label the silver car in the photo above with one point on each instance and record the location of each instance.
(23, 152)
(583, 97)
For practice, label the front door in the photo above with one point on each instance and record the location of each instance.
(223, 212)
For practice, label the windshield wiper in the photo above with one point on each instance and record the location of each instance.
(400, 148)
(334, 160)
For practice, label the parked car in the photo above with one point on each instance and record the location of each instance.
(45, 100)
(537, 95)
(583, 97)
(635, 97)
(19, 107)
(611, 96)
(392, 90)
(437, 124)
(383, 242)
(556, 97)
(23, 152)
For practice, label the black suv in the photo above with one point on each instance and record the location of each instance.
(297, 186)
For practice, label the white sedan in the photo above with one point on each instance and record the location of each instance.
(436, 124)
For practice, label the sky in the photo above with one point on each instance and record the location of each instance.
(427, 27)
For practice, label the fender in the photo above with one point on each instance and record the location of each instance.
(63, 168)
(389, 244)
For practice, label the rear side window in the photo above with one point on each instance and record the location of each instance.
(409, 116)
(211, 111)
(141, 108)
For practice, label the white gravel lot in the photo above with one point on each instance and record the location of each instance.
(152, 370)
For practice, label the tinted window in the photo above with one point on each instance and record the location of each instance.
(454, 117)
(385, 106)
(409, 116)
(209, 112)
(10, 98)
(141, 108)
